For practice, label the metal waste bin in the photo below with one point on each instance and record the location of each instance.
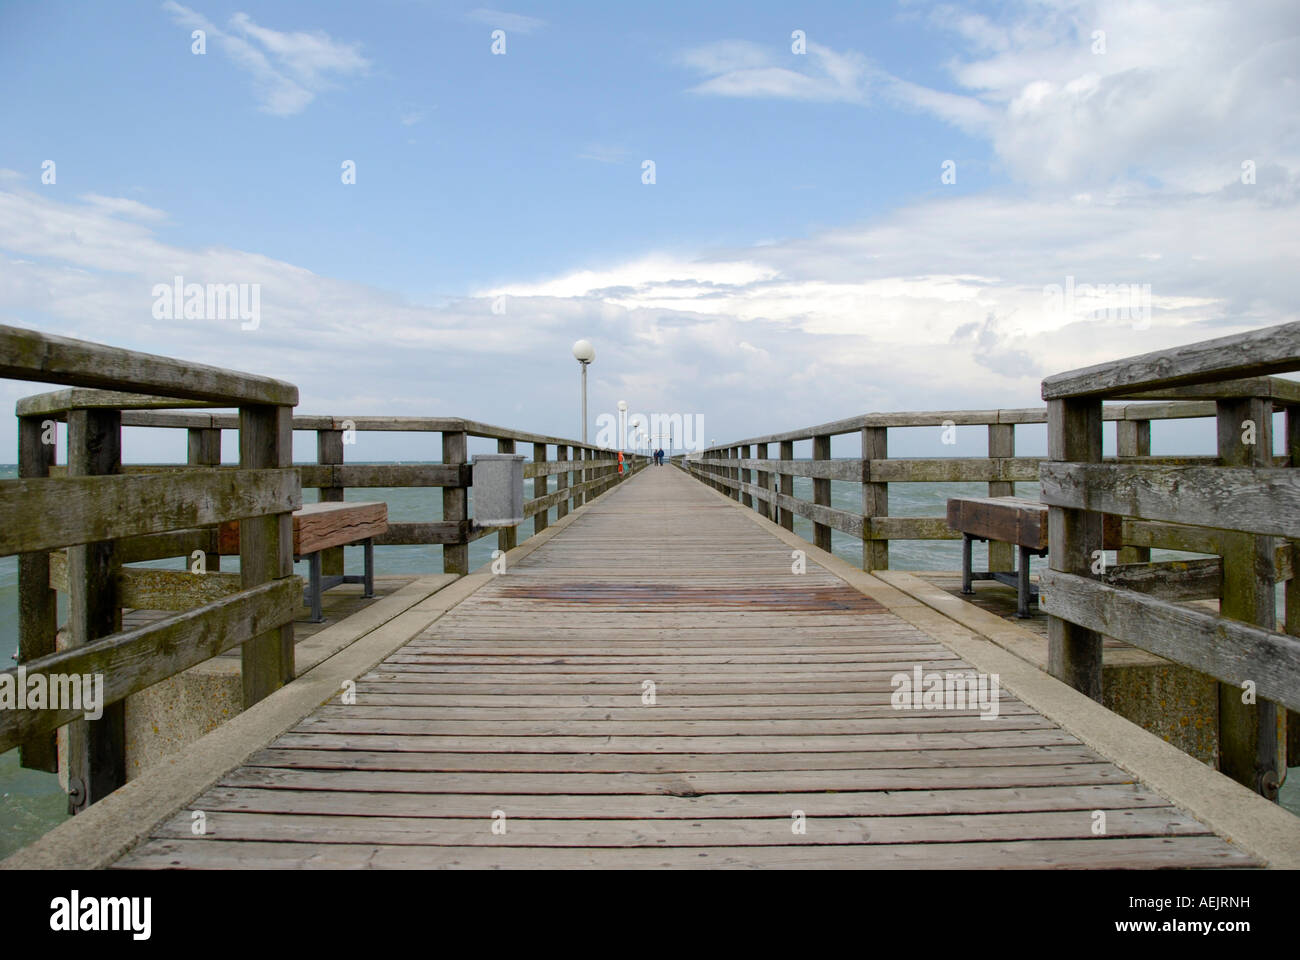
(498, 489)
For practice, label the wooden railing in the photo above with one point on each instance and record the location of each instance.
(104, 516)
(582, 472)
(1244, 503)
(1240, 506)
(75, 526)
(746, 471)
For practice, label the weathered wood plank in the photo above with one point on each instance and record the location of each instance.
(322, 525)
(444, 532)
(912, 528)
(37, 604)
(66, 511)
(96, 759)
(1002, 450)
(1113, 853)
(1226, 649)
(608, 832)
(57, 403)
(1074, 538)
(1263, 501)
(134, 659)
(1257, 353)
(385, 475)
(324, 799)
(846, 470)
(43, 357)
(1248, 731)
(455, 505)
(956, 469)
(266, 548)
(1012, 520)
(1170, 579)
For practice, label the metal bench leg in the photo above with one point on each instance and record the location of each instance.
(966, 540)
(313, 566)
(1022, 586)
(370, 567)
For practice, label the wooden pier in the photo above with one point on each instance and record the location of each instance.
(663, 674)
(526, 703)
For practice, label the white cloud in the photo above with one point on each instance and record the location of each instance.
(124, 207)
(736, 68)
(1184, 93)
(287, 70)
(510, 22)
(938, 305)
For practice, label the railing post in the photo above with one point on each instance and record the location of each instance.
(266, 548)
(787, 484)
(540, 486)
(746, 475)
(875, 498)
(1074, 434)
(1002, 444)
(1293, 585)
(764, 481)
(1133, 439)
(1248, 740)
(455, 506)
(38, 619)
(562, 482)
(822, 492)
(329, 452)
(96, 748)
(204, 450)
(507, 537)
(734, 453)
(579, 477)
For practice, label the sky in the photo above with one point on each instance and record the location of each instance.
(771, 215)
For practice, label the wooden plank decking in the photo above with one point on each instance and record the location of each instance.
(523, 708)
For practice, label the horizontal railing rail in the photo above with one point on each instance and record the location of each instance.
(766, 482)
(581, 471)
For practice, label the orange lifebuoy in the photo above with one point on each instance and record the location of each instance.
(620, 461)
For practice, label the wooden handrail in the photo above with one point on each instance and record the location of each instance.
(1255, 354)
(1240, 505)
(43, 357)
(1174, 410)
(105, 517)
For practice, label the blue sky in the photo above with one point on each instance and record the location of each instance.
(474, 169)
(797, 259)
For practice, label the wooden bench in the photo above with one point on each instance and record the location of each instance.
(317, 527)
(1014, 520)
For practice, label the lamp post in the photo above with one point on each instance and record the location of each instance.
(622, 424)
(584, 353)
